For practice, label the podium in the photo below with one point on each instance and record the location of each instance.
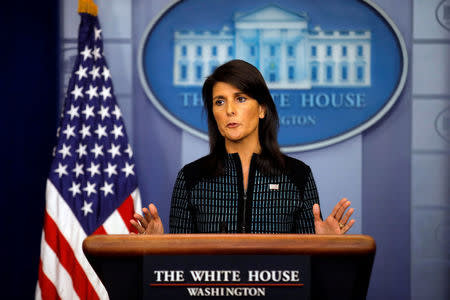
(180, 266)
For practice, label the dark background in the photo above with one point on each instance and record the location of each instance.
(29, 94)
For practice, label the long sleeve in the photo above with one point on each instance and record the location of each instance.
(305, 218)
(181, 219)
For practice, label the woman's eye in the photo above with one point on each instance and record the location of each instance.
(219, 102)
(241, 99)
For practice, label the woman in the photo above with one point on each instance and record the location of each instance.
(245, 184)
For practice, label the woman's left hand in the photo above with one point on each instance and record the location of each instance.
(337, 222)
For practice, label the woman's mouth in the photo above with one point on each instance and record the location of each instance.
(232, 125)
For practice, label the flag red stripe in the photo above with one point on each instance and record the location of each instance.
(100, 230)
(66, 256)
(126, 211)
(48, 289)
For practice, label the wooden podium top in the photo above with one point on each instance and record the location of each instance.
(177, 244)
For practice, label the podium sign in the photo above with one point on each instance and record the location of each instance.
(182, 266)
(268, 276)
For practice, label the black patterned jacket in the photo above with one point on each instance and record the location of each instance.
(202, 203)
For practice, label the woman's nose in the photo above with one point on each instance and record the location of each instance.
(231, 109)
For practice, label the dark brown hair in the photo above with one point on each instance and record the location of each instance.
(246, 78)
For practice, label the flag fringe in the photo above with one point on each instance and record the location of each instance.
(87, 6)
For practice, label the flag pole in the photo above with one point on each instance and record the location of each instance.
(87, 6)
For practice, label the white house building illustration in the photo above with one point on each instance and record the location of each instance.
(289, 54)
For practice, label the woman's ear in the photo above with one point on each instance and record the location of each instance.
(262, 111)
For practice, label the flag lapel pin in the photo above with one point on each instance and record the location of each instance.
(273, 186)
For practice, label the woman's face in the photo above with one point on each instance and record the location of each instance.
(237, 115)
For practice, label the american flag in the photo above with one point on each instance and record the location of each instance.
(92, 186)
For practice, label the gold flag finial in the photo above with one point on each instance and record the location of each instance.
(88, 7)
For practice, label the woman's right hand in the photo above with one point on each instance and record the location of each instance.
(150, 223)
